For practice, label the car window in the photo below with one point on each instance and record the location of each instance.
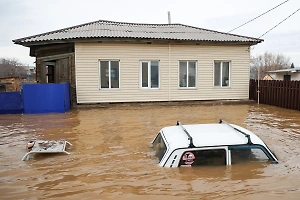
(203, 157)
(159, 147)
(244, 154)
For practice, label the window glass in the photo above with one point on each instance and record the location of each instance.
(104, 73)
(192, 74)
(221, 74)
(144, 74)
(258, 154)
(245, 154)
(159, 147)
(225, 74)
(203, 157)
(187, 74)
(182, 74)
(217, 74)
(154, 74)
(109, 74)
(150, 74)
(114, 74)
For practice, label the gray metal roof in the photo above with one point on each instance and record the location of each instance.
(296, 69)
(109, 29)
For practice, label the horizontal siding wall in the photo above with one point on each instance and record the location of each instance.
(295, 76)
(205, 56)
(87, 66)
(130, 55)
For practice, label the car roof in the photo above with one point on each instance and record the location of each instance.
(207, 135)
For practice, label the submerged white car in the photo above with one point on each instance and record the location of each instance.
(209, 144)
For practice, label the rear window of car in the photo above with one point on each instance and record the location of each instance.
(159, 147)
(245, 154)
(203, 157)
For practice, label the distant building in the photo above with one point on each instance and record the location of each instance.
(10, 84)
(290, 74)
(31, 74)
(268, 77)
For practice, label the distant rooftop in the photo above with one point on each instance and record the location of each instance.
(122, 30)
(296, 69)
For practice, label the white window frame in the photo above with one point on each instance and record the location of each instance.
(149, 74)
(109, 75)
(196, 74)
(221, 72)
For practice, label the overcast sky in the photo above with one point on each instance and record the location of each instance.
(21, 18)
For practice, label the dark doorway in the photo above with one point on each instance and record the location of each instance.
(50, 74)
(57, 71)
(2, 88)
(286, 77)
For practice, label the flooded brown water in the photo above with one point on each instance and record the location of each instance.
(111, 157)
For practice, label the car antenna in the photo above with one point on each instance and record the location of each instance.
(246, 135)
(191, 145)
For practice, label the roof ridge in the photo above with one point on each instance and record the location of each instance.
(135, 23)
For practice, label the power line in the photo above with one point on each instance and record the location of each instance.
(258, 16)
(280, 23)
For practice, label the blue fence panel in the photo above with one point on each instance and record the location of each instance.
(45, 98)
(67, 96)
(10, 103)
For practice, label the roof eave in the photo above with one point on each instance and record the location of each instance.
(140, 40)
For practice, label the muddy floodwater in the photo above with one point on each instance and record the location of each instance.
(111, 157)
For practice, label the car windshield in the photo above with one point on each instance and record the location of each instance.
(159, 147)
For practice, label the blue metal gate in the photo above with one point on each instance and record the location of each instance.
(46, 98)
(37, 98)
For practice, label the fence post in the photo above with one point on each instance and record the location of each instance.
(293, 95)
(298, 95)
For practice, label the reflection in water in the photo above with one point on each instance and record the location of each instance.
(111, 157)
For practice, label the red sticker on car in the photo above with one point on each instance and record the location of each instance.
(188, 158)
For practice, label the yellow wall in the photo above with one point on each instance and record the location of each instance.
(87, 56)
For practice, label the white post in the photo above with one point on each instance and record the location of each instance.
(258, 91)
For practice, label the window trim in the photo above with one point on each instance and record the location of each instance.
(196, 75)
(109, 72)
(221, 70)
(149, 74)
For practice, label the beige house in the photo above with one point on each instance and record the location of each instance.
(107, 61)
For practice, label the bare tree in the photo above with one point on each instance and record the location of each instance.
(268, 62)
(12, 68)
